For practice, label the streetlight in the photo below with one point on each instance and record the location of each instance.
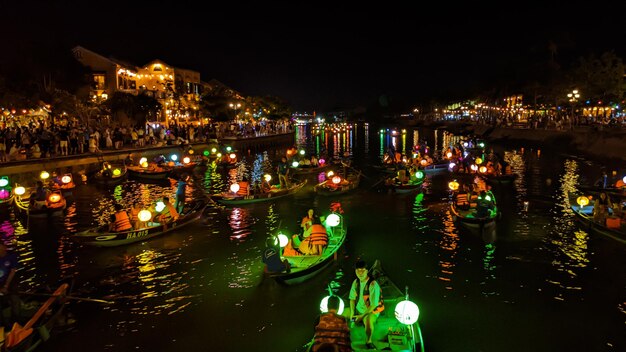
(573, 98)
(235, 107)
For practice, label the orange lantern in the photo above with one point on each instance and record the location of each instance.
(54, 198)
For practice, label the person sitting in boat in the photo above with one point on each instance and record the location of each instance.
(366, 300)
(483, 206)
(39, 197)
(134, 215)
(315, 239)
(160, 160)
(120, 221)
(462, 198)
(332, 329)
(601, 208)
(168, 214)
(314, 161)
(271, 258)
(307, 221)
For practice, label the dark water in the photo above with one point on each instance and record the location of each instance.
(539, 284)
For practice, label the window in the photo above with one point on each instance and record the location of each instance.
(98, 81)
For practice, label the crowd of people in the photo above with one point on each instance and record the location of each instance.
(38, 139)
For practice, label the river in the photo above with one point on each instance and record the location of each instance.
(540, 284)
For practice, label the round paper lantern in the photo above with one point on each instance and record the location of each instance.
(4, 194)
(145, 215)
(407, 312)
(282, 240)
(186, 160)
(66, 179)
(302, 152)
(321, 162)
(423, 162)
(419, 174)
(295, 164)
(624, 179)
(54, 198)
(330, 174)
(19, 190)
(232, 155)
(144, 164)
(448, 155)
(482, 169)
(474, 167)
(44, 175)
(582, 201)
(324, 305)
(267, 177)
(190, 152)
(171, 163)
(453, 185)
(228, 149)
(451, 166)
(219, 155)
(213, 150)
(159, 206)
(234, 187)
(333, 220)
(479, 161)
(205, 153)
(117, 172)
(336, 180)
(4, 182)
(174, 157)
(143, 160)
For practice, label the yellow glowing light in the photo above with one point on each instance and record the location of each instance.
(144, 164)
(336, 180)
(186, 160)
(267, 177)
(66, 179)
(582, 201)
(453, 185)
(54, 198)
(143, 160)
(449, 155)
(117, 172)
(145, 215)
(482, 169)
(330, 174)
(479, 161)
(44, 175)
(19, 190)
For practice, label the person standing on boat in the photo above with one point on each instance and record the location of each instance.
(283, 173)
(9, 283)
(271, 258)
(366, 301)
(120, 221)
(180, 193)
(331, 329)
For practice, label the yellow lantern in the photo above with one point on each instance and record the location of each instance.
(145, 215)
(423, 162)
(143, 160)
(267, 177)
(479, 161)
(453, 185)
(448, 155)
(582, 201)
(186, 160)
(144, 164)
(330, 174)
(44, 175)
(190, 152)
(482, 169)
(117, 172)
(54, 198)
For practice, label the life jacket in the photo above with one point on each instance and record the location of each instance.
(398, 157)
(134, 214)
(243, 188)
(122, 222)
(461, 199)
(619, 184)
(332, 329)
(169, 213)
(366, 295)
(318, 235)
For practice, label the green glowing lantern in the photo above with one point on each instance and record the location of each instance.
(228, 149)
(324, 305)
(419, 174)
(407, 312)
(117, 172)
(205, 153)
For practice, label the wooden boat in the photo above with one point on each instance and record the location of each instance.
(113, 178)
(502, 179)
(585, 217)
(330, 188)
(303, 267)
(434, 169)
(389, 333)
(307, 169)
(101, 237)
(410, 187)
(179, 169)
(230, 198)
(55, 206)
(40, 313)
(612, 192)
(468, 219)
(149, 173)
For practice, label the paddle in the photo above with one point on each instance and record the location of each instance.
(19, 333)
(94, 300)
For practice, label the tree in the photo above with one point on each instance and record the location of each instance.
(600, 78)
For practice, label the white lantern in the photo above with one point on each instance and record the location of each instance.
(282, 240)
(186, 160)
(145, 215)
(407, 312)
(333, 220)
(324, 305)
(234, 187)
(295, 164)
(19, 190)
(267, 177)
(143, 160)
(159, 206)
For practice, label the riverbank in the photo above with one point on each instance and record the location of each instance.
(601, 144)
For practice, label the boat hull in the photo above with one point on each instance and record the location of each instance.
(263, 198)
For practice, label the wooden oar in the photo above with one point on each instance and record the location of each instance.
(94, 300)
(19, 333)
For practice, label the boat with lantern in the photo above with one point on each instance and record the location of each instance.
(101, 236)
(6, 192)
(614, 227)
(304, 267)
(397, 326)
(613, 192)
(54, 205)
(405, 181)
(464, 206)
(111, 175)
(338, 184)
(150, 170)
(301, 169)
(65, 184)
(235, 197)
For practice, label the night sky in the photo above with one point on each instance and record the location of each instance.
(327, 57)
